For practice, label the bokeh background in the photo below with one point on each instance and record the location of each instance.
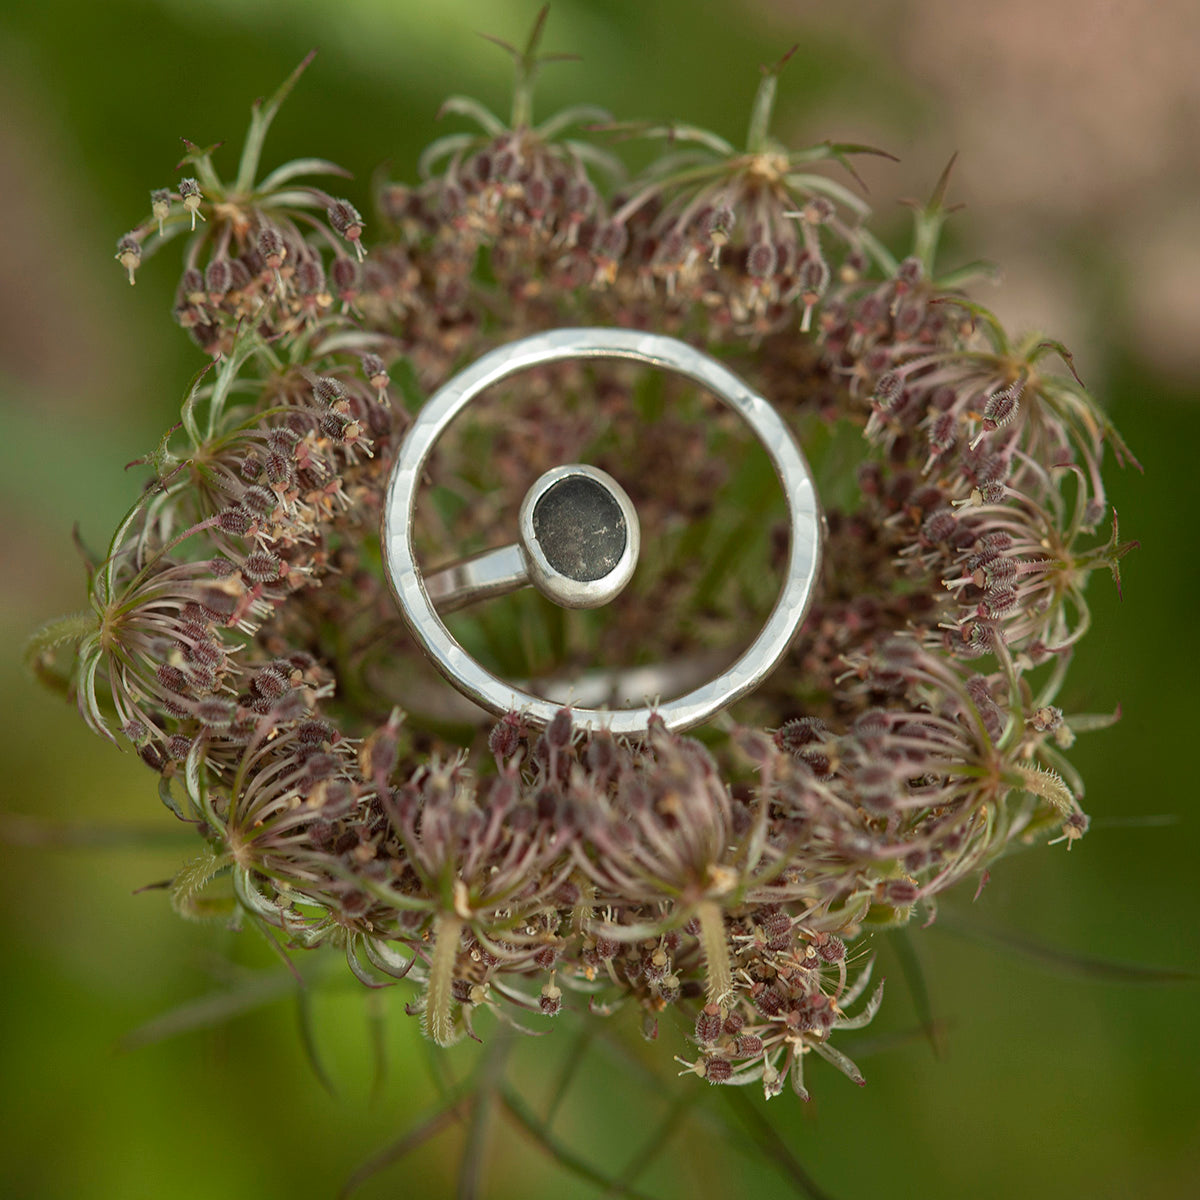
(1055, 1076)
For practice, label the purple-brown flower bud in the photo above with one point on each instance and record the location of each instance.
(761, 260)
(178, 746)
(550, 1000)
(749, 1045)
(236, 519)
(160, 206)
(129, 254)
(172, 678)
(1002, 407)
(262, 567)
(939, 526)
(708, 1025)
(794, 735)
(888, 389)
(217, 279)
(272, 247)
(346, 220)
(558, 732)
(375, 369)
(505, 739)
(831, 948)
(327, 389)
(717, 1069)
(190, 194)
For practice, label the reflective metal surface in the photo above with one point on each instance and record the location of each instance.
(417, 603)
(579, 552)
(492, 573)
(583, 553)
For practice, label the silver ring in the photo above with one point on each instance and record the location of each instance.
(499, 571)
(579, 542)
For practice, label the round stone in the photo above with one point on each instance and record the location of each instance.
(580, 528)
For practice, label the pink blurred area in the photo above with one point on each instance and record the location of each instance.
(1078, 125)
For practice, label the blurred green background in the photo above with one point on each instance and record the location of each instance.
(1076, 127)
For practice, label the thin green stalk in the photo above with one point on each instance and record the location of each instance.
(487, 1079)
(684, 1101)
(260, 123)
(715, 947)
(561, 1154)
(404, 1145)
(438, 1018)
(770, 1142)
(579, 1048)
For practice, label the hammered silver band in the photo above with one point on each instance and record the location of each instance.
(498, 571)
(492, 573)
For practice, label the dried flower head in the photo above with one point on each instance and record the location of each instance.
(242, 638)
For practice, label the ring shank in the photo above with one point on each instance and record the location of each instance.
(602, 689)
(491, 573)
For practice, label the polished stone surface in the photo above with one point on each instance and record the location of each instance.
(580, 528)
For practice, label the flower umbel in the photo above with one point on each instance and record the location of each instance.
(242, 638)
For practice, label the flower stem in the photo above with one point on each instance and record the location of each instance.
(715, 949)
(439, 999)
